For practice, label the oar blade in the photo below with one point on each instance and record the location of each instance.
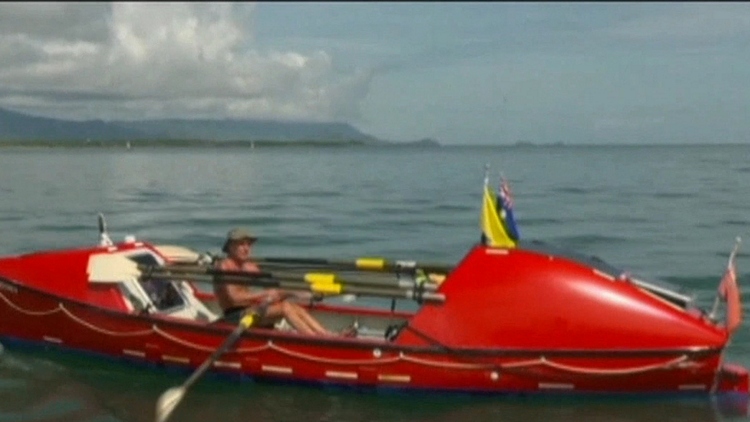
(107, 268)
(167, 402)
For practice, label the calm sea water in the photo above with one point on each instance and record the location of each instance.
(661, 212)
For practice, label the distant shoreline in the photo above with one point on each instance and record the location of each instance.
(188, 143)
(266, 144)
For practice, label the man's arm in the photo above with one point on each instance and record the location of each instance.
(240, 295)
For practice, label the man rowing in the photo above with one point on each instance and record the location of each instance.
(235, 298)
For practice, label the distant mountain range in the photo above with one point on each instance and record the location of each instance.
(15, 126)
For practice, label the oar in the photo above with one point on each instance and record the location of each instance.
(335, 278)
(314, 286)
(115, 268)
(169, 400)
(182, 255)
(376, 281)
(415, 277)
(365, 264)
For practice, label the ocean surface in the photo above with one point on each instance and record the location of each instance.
(669, 213)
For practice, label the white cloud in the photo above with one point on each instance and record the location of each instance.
(163, 59)
(68, 21)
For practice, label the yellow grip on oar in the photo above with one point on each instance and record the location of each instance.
(370, 263)
(326, 288)
(247, 320)
(320, 278)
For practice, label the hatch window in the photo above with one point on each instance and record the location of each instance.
(164, 293)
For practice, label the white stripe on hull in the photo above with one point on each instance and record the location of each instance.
(344, 375)
(135, 353)
(276, 369)
(175, 359)
(394, 378)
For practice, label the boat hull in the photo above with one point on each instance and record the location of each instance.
(30, 315)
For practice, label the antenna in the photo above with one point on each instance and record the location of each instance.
(104, 239)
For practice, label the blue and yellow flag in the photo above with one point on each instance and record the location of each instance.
(505, 206)
(493, 229)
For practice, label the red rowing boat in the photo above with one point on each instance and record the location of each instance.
(527, 319)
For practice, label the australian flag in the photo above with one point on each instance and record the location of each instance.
(505, 206)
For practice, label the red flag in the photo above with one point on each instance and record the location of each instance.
(730, 292)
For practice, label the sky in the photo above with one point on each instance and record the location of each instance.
(461, 73)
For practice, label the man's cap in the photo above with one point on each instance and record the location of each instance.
(237, 234)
